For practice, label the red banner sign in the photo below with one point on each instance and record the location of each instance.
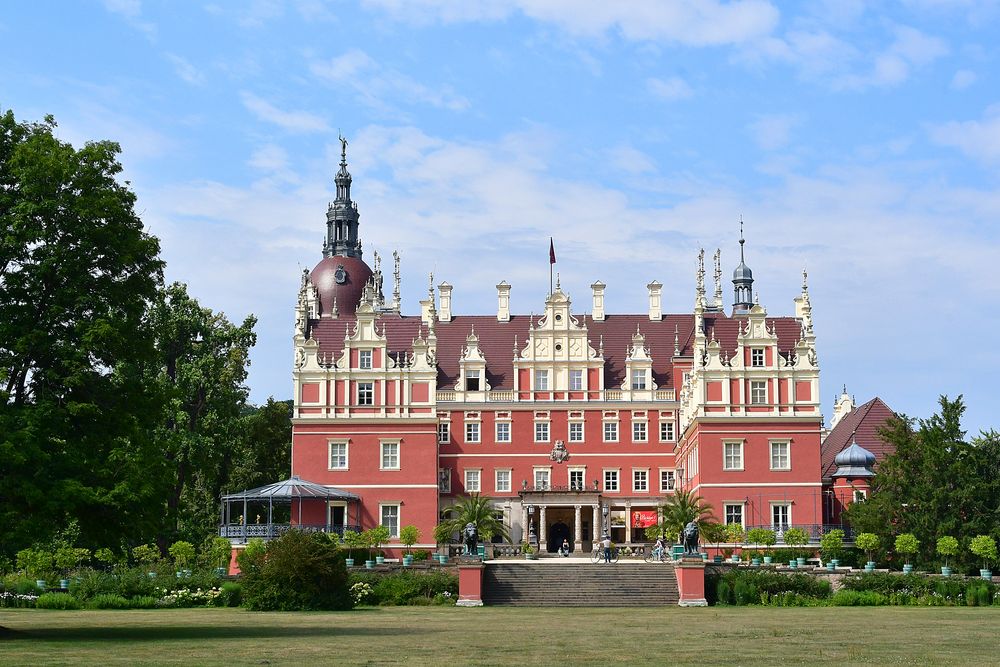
(643, 518)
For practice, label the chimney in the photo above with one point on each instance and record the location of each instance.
(444, 315)
(598, 309)
(503, 301)
(427, 309)
(655, 309)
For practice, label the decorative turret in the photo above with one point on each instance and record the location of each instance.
(854, 461)
(342, 215)
(742, 281)
(841, 407)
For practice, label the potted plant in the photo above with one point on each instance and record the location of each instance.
(146, 554)
(106, 557)
(442, 536)
(947, 546)
(735, 536)
(767, 538)
(353, 540)
(408, 535)
(906, 545)
(528, 551)
(985, 547)
(369, 540)
(831, 546)
(35, 562)
(67, 558)
(219, 553)
(797, 537)
(714, 533)
(867, 542)
(380, 535)
(183, 553)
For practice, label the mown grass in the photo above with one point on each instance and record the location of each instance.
(505, 636)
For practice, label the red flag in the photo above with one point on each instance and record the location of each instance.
(552, 252)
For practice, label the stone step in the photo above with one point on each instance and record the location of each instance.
(580, 584)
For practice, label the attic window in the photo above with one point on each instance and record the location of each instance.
(472, 381)
(558, 317)
(558, 347)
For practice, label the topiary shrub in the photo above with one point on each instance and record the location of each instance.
(297, 571)
(56, 601)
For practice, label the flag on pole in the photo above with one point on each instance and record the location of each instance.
(552, 251)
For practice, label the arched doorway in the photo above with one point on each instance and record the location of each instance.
(558, 532)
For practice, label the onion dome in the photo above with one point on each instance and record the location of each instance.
(340, 281)
(854, 461)
(742, 281)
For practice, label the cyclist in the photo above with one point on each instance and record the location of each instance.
(658, 549)
(606, 543)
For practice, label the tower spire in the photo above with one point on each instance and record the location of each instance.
(742, 280)
(342, 238)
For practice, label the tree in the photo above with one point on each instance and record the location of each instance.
(479, 512)
(408, 536)
(867, 542)
(947, 546)
(907, 545)
(262, 451)
(682, 508)
(985, 547)
(78, 275)
(935, 484)
(831, 544)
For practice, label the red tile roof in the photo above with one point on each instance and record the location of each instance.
(496, 340)
(861, 423)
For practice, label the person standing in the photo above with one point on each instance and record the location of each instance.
(606, 543)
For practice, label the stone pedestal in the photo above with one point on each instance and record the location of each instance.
(691, 582)
(470, 583)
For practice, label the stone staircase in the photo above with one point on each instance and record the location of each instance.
(579, 584)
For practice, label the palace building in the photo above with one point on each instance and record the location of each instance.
(572, 422)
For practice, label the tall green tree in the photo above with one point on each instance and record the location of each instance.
(78, 276)
(936, 483)
(201, 375)
(263, 451)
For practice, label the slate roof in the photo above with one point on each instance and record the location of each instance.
(861, 424)
(496, 340)
(294, 487)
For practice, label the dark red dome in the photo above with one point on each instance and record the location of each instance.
(343, 279)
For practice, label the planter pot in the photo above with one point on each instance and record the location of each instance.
(64, 583)
(734, 559)
(836, 563)
(830, 566)
(801, 562)
(443, 559)
(945, 571)
(369, 564)
(530, 556)
(481, 550)
(793, 563)
(379, 560)
(349, 562)
(907, 568)
(717, 559)
(755, 562)
(40, 583)
(870, 566)
(986, 574)
(220, 571)
(407, 560)
(151, 575)
(767, 560)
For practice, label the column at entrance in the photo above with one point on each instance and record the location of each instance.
(578, 530)
(543, 541)
(524, 522)
(596, 529)
(628, 522)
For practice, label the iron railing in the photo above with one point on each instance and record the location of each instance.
(269, 531)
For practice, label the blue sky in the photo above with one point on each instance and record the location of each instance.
(860, 140)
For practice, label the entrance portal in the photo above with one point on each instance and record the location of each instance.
(557, 533)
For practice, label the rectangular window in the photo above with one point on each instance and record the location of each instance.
(366, 393)
(758, 392)
(543, 476)
(639, 432)
(640, 481)
(365, 359)
(472, 432)
(757, 357)
(638, 380)
(472, 481)
(610, 480)
(576, 380)
(338, 456)
(390, 519)
(576, 431)
(503, 481)
(732, 456)
(444, 480)
(390, 456)
(503, 431)
(666, 481)
(541, 431)
(576, 479)
(610, 431)
(541, 380)
(444, 432)
(666, 431)
(860, 495)
(780, 459)
(781, 516)
(471, 380)
(734, 513)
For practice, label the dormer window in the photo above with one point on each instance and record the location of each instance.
(472, 381)
(541, 380)
(757, 357)
(365, 359)
(638, 380)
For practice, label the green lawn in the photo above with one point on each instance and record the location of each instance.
(504, 636)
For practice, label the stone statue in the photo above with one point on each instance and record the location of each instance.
(691, 538)
(471, 538)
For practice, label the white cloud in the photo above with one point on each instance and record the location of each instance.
(963, 79)
(377, 85)
(631, 160)
(977, 139)
(185, 70)
(673, 88)
(688, 22)
(131, 11)
(911, 49)
(772, 132)
(293, 121)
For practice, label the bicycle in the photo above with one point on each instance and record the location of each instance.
(656, 554)
(597, 555)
